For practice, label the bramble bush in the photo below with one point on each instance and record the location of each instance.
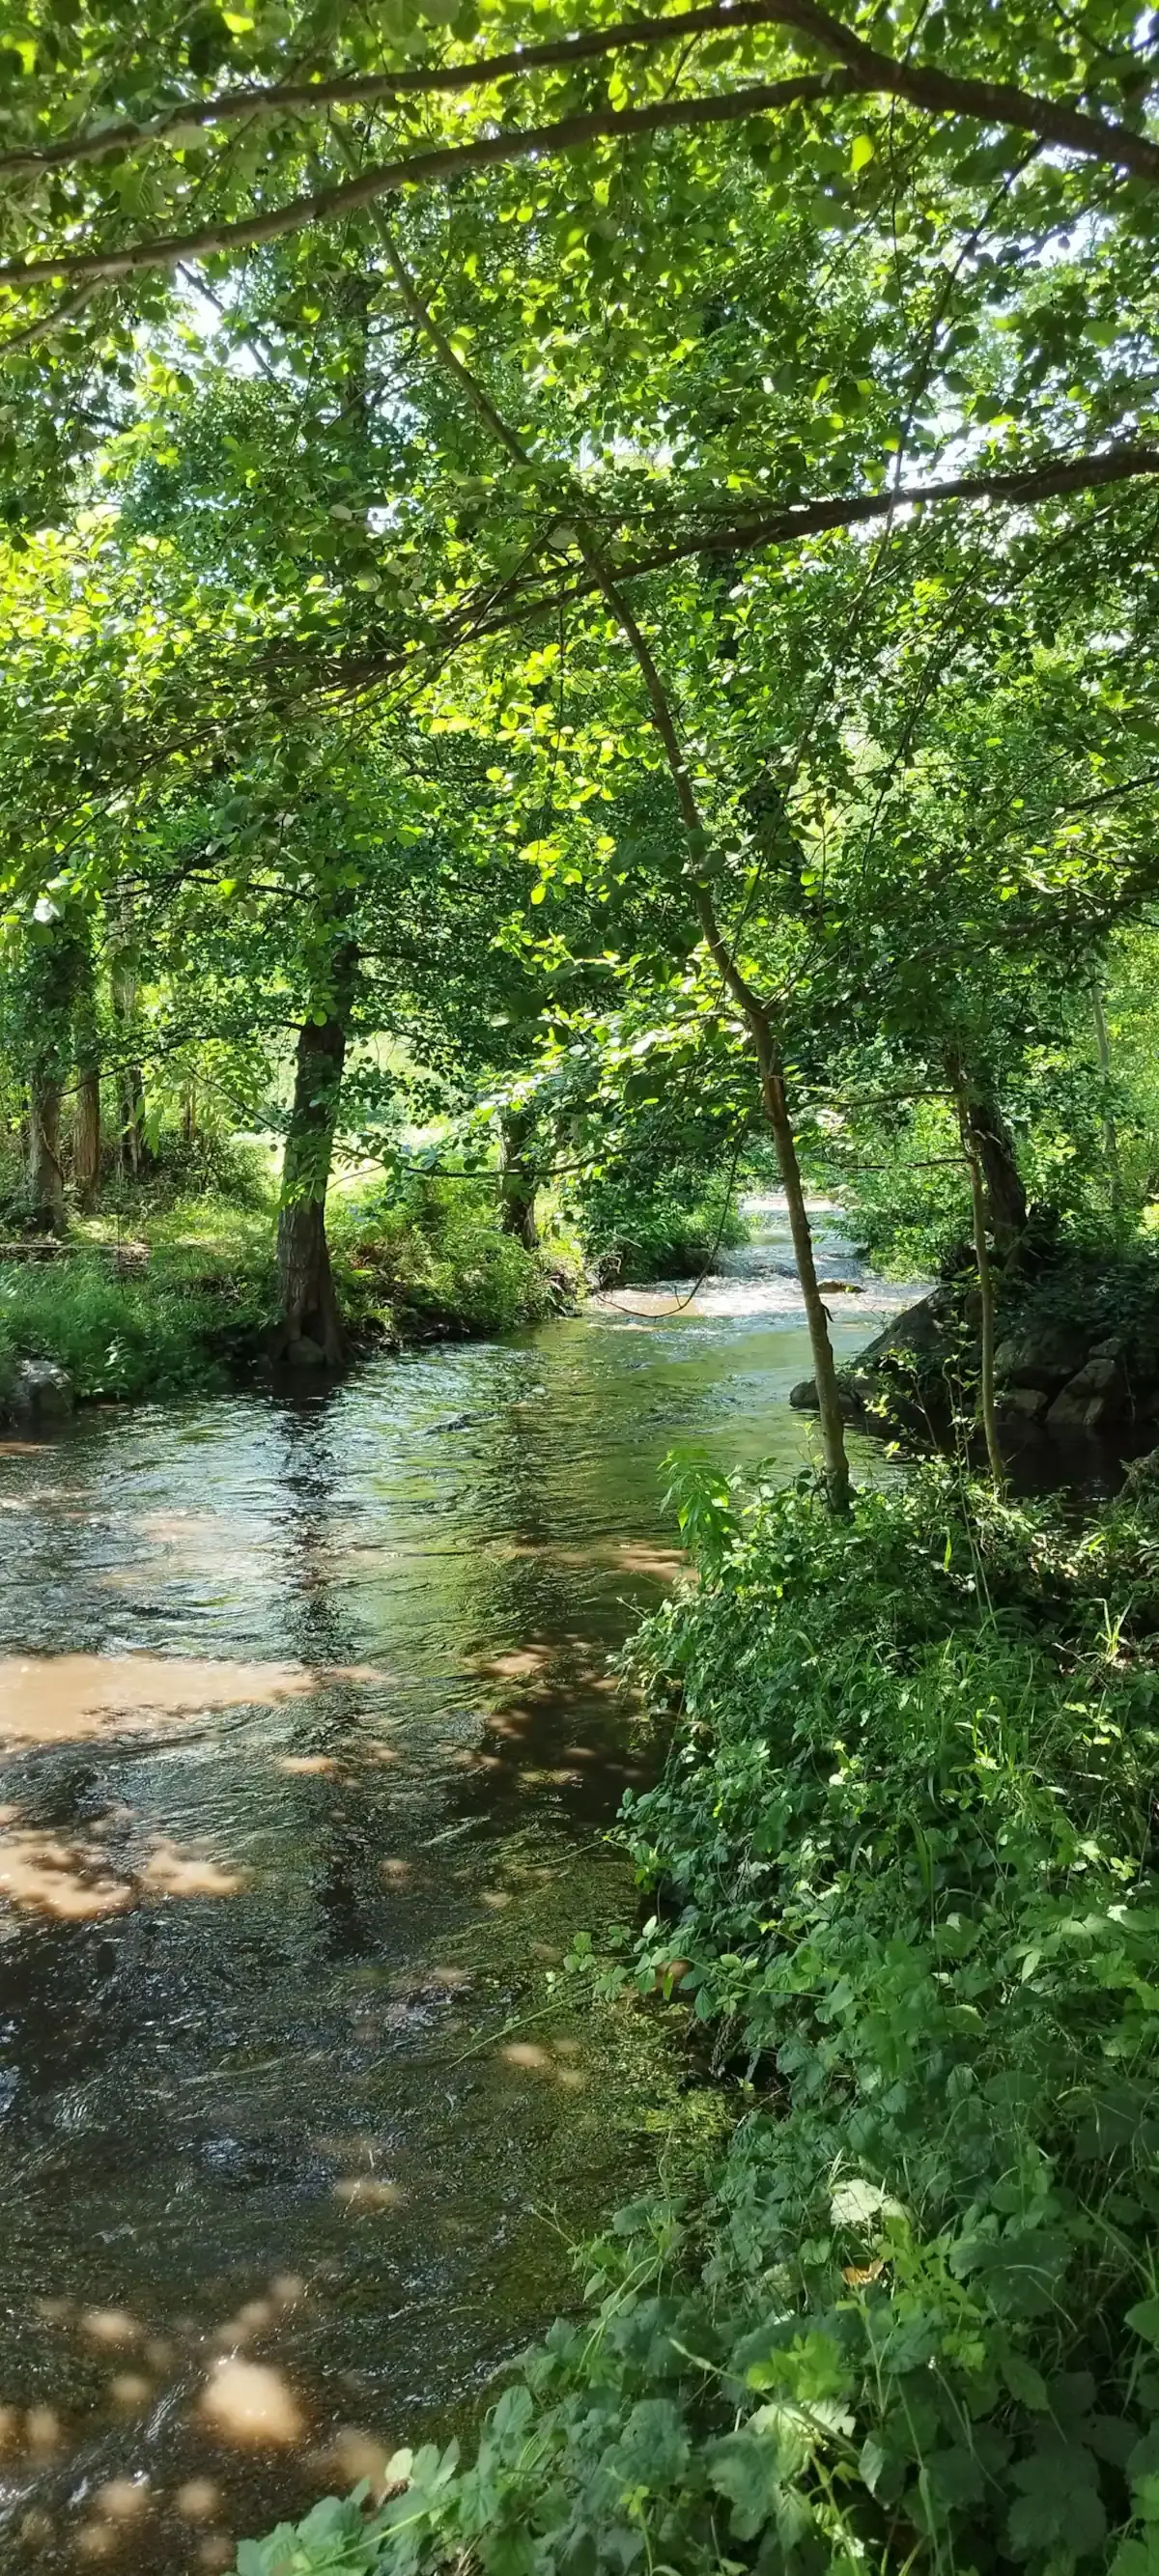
(902, 1862)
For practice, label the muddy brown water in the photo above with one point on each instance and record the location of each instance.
(309, 1755)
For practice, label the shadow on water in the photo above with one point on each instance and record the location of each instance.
(309, 1749)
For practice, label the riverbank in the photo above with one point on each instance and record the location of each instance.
(902, 1867)
(181, 1299)
(328, 1752)
(1076, 1362)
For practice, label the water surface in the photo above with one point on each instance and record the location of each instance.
(309, 1751)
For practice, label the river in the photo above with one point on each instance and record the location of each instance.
(309, 1751)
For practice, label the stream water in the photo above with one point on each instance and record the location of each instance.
(309, 1748)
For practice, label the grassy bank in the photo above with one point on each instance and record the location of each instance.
(188, 1316)
(902, 1867)
(190, 1305)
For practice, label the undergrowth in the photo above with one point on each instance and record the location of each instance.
(199, 1311)
(175, 1327)
(673, 1228)
(434, 1249)
(901, 1860)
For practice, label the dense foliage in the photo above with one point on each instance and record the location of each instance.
(578, 604)
(902, 1857)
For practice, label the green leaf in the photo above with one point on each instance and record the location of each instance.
(747, 2469)
(1060, 2503)
(862, 153)
(1143, 2320)
(1137, 2557)
(1025, 2382)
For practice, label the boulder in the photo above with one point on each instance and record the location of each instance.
(916, 1331)
(41, 1392)
(1070, 1413)
(1024, 1403)
(1044, 1359)
(914, 1335)
(1100, 1375)
(1087, 1399)
(305, 1353)
(1090, 1398)
(1142, 1478)
(803, 1398)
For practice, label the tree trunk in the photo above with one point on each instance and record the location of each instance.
(45, 1171)
(1110, 1131)
(131, 1095)
(86, 1135)
(310, 1318)
(518, 1184)
(994, 1145)
(311, 1323)
(130, 1081)
(829, 1410)
(987, 1401)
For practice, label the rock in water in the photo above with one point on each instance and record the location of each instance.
(1093, 1393)
(41, 1392)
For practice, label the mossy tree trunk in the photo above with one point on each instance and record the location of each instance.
(86, 1128)
(45, 1168)
(311, 1324)
(993, 1145)
(130, 1080)
(518, 1182)
(86, 1136)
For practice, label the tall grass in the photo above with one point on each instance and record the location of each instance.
(180, 1324)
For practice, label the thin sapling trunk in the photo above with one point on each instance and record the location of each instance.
(756, 1016)
(986, 1393)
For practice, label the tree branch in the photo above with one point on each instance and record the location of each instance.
(446, 162)
(863, 70)
(313, 97)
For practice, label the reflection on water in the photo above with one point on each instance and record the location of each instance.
(309, 1744)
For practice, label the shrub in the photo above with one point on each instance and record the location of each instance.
(671, 1231)
(902, 1847)
(436, 1248)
